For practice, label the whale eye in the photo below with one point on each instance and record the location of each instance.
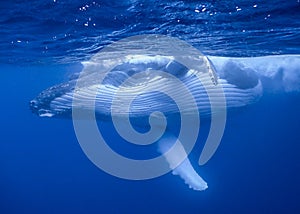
(239, 75)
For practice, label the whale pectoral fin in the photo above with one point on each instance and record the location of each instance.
(185, 169)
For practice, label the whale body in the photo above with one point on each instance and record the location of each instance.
(243, 80)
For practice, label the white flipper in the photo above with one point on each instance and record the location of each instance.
(185, 169)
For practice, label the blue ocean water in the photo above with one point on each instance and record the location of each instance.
(43, 169)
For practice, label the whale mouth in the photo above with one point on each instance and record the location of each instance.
(38, 108)
(42, 104)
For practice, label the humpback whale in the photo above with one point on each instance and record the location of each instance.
(243, 80)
